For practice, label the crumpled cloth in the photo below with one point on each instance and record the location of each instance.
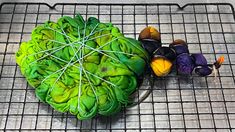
(84, 67)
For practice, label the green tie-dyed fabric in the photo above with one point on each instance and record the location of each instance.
(84, 67)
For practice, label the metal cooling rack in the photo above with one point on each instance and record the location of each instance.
(176, 103)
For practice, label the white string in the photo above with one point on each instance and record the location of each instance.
(64, 70)
(99, 36)
(100, 78)
(91, 33)
(75, 55)
(40, 52)
(65, 34)
(99, 48)
(84, 70)
(60, 69)
(135, 46)
(85, 38)
(80, 69)
(102, 29)
(55, 48)
(47, 27)
(79, 37)
(63, 42)
(93, 48)
(104, 53)
(47, 55)
(119, 52)
(79, 41)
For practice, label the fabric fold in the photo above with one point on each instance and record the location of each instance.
(84, 67)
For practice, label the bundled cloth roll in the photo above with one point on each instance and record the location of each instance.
(84, 67)
(150, 39)
(186, 63)
(163, 58)
(162, 61)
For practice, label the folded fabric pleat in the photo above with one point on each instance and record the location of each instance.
(84, 67)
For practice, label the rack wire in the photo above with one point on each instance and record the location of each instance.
(176, 103)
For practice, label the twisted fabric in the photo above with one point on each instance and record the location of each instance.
(163, 58)
(84, 67)
(187, 63)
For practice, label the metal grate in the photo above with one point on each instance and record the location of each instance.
(176, 103)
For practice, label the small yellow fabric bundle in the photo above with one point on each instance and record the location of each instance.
(150, 33)
(161, 66)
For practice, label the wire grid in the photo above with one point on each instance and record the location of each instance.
(177, 103)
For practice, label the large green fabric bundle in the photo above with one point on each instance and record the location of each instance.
(84, 67)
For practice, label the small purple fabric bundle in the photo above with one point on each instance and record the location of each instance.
(202, 68)
(186, 63)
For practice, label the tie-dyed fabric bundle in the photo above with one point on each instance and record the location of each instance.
(84, 67)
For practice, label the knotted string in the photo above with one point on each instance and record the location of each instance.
(78, 50)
